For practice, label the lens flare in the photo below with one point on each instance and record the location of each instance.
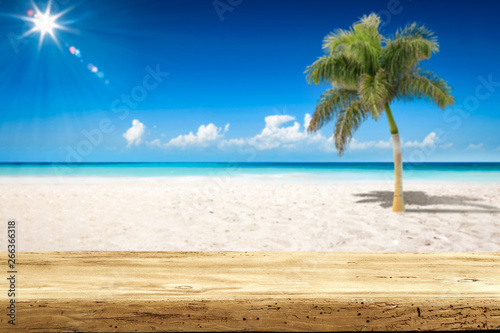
(44, 23)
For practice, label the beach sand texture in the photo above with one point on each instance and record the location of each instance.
(203, 215)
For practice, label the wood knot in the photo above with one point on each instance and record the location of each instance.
(468, 280)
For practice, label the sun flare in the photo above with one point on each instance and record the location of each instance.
(45, 23)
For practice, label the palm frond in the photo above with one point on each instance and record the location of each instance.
(361, 43)
(409, 46)
(427, 85)
(375, 91)
(372, 21)
(340, 70)
(337, 41)
(414, 31)
(332, 101)
(348, 121)
(367, 54)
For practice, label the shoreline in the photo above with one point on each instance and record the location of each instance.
(279, 178)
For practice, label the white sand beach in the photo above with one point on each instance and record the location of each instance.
(205, 215)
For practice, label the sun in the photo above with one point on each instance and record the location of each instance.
(45, 24)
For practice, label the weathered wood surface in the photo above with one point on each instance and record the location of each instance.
(263, 291)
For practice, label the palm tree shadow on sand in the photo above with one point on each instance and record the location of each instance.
(416, 201)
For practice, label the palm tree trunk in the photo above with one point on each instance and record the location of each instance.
(398, 204)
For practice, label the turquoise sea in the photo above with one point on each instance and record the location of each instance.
(483, 172)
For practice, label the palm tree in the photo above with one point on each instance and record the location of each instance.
(368, 72)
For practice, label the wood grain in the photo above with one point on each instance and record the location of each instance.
(263, 291)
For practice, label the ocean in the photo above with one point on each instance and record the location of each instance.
(482, 172)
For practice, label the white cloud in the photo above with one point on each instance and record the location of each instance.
(134, 133)
(206, 134)
(232, 142)
(307, 121)
(155, 142)
(475, 147)
(273, 122)
(329, 145)
(278, 132)
(446, 146)
(275, 135)
(429, 141)
(357, 145)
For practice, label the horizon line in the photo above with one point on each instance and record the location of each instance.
(236, 162)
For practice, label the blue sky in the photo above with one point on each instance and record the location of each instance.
(235, 82)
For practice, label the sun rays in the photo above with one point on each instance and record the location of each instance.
(44, 22)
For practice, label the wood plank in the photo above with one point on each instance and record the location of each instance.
(264, 291)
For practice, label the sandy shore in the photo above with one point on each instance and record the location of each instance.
(172, 215)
